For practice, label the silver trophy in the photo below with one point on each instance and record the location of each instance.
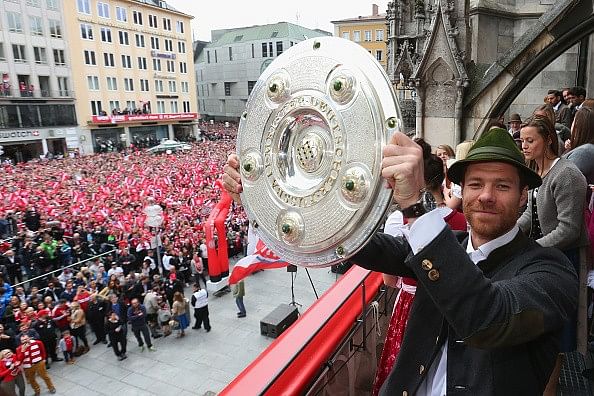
(310, 147)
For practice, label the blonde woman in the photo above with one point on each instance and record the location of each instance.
(178, 310)
(78, 324)
(11, 374)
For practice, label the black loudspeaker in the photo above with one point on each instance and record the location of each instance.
(291, 268)
(278, 320)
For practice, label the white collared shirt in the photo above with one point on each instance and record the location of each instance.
(422, 232)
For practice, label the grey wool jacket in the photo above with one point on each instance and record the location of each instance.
(560, 206)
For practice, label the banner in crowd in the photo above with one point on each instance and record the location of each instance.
(263, 258)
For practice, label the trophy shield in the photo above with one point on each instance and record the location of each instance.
(310, 148)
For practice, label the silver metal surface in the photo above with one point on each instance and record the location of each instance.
(310, 146)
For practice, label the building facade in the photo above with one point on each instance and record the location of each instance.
(37, 111)
(228, 67)
(132, 71)
(369, 31)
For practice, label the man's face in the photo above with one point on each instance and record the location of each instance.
(553, 99)
(566, 96)
(135, 303)
(492, 199)
(515, 125)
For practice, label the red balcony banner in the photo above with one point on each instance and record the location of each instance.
(116, 119)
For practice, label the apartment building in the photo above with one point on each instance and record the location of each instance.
(132, 71)
(37, 107)
(369, 31)
(228, 67)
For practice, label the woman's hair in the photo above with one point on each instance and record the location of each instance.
(433, 166)
(588, 103)
(177, 296)
(463, 148)
(582, 130)
(545, 110)
(546, 129)
(448, 149)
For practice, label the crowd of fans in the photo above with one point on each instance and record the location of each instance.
(76, 251)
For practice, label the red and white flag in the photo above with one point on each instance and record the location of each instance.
(263, 258)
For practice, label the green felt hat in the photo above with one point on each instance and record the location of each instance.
(496, 145)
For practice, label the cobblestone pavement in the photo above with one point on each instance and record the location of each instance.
(199, 363)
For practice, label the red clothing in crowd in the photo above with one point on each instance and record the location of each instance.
(60, 316)
(8, 369)
(83, 299)
(33, 353)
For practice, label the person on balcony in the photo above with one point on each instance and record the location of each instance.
(489, 305)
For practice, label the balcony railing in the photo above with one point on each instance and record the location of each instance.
(319, 350)
(35, 93)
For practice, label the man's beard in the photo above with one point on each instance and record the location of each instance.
(490, 230)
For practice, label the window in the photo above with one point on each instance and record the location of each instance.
(52, 4)
(36, 25)
(128, 84)
(346, 35)
(144, 85)
(121, 14)
(181, 47)
(180, 27)
(2, 55)
(34, 3)
(90, 58)
(142, 63)
(166, 24)
(183, 67)
(155, 43)
(368, 35)
(153, 21)
(216, 57)
(207, 56)
(279, 48)
(264, 50)
(137, 17)
(112, 83)
(108, 59)
(185, 87)
(114, 105)
(378, 55)
(270, 53)
(172, 86)
(253, 51)
(84, 6)
(356, 36)
(103, 9)
(96, 107)
(186, 104)
(123, 38)
(379, 35)
(158, 85)
(160, 106)
(86, 31)
(156, 64)
(171, 66)
(230, 53)
(251, 85)
(173, 105)
(106, 35)
(126, 62)
(93, 83)
(227, 89)
(55, 28)
(18, 51)
(59, 58)
(168, 45)
(40, 55)
(15, 24)
(140, 40)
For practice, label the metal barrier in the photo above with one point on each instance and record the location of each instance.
(295, 360)
(62, 268)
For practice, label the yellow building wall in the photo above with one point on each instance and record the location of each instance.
(80, 71)
(351, 27)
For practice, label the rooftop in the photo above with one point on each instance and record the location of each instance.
(263, 32)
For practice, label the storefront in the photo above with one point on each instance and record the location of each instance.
(107, 140)
(148, 136)
(23, 145)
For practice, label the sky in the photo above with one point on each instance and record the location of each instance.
(314, 14)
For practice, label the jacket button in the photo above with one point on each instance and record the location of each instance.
(426, 265)
(421, 369)
(433, 275)
(404, 393)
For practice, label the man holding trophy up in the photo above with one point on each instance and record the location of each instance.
(490, 303)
